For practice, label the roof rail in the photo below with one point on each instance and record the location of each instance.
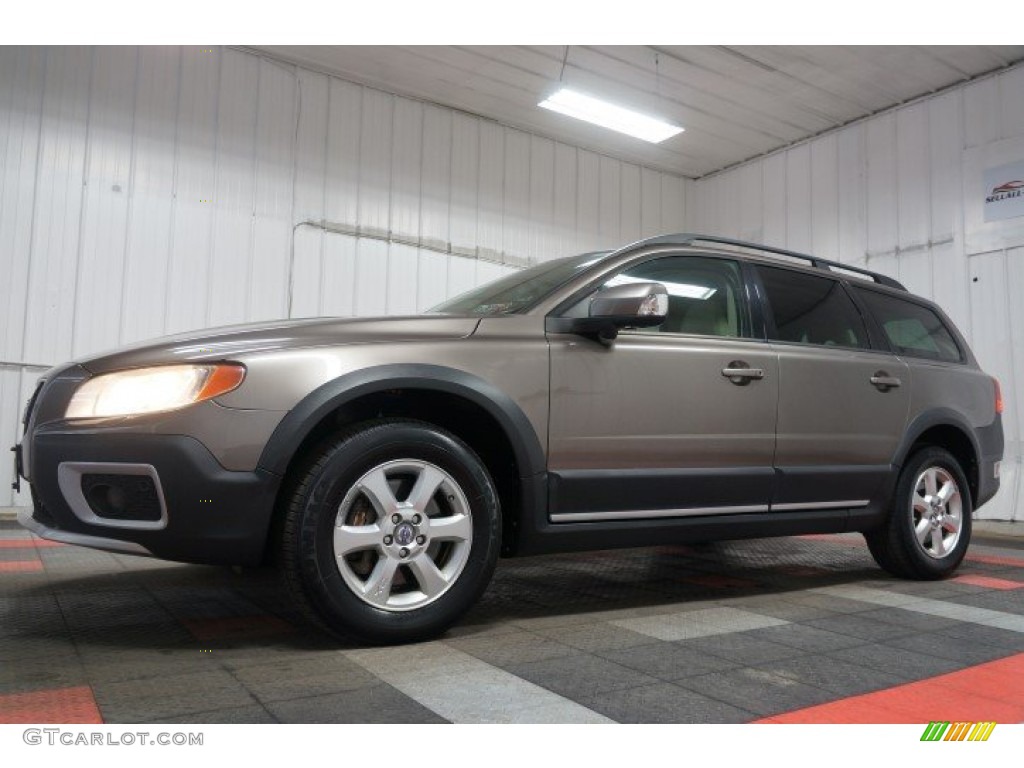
(689, 238)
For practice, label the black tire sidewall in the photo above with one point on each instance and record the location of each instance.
(342, 466)
(903, 519)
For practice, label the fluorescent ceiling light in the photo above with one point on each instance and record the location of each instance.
(574, 104)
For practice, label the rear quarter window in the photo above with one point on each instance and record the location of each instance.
(913, 329)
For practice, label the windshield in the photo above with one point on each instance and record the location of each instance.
(518, 291)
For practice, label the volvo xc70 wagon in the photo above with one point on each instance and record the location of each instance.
(681, 388)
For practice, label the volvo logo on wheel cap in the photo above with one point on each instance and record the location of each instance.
(404, 534)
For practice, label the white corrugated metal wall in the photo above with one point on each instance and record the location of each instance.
(145, 191)
(902, 194)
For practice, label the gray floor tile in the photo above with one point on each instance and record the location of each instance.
(580, 675)
(965, 652)
(511, 648)
(303, 677)
(709, 621)
(665, 703)
(810, 639)
(833, 674)
(237, 715)
(596, 637)
(379, 704)
(757, 690)
(860, 625)
(921, 622)
(900, 662)
(668, 661)
(741, 648)
(979, 633)
(153, 698)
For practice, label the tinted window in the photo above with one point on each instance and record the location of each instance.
(812, 310)
(704, 295)
(912, 329)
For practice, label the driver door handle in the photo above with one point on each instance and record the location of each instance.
(740, 373)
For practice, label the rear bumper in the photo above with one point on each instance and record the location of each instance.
(212, 515)
(990, 445)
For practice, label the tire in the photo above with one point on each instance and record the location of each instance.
(919, 539)
(391, 532)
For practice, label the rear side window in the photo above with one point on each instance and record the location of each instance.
(912, 329)
(812, 310)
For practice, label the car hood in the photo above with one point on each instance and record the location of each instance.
(230, 341)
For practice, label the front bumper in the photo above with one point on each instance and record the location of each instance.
(212, 515)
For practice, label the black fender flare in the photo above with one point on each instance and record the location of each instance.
(935, 417)
(299, 422)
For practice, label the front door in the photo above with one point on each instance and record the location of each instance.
(672, 421)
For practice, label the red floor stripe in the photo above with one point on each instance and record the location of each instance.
(996, 560)
(29, 544)
(990, 582)
(57, 705)
(20, 566)
(991, 691)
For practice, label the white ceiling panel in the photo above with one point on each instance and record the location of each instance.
(735, 102)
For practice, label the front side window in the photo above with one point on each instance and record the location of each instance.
(704, 295)
(911, 328)
(812, 310)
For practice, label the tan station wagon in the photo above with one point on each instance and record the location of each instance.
(681, 388)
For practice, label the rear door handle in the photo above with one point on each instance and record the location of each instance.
(884, 381)
(738, 372)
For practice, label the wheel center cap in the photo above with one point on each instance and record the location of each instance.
(405, 534)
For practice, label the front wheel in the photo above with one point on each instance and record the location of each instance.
(928, 529)
(392, 532)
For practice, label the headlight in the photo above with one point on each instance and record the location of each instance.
(147, 390)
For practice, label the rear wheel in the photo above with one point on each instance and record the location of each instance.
(928, 528)
(392, 532)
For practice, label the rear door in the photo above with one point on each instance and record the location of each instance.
(653, 426)
(843, 402)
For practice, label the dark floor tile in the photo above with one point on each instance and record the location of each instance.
(379, 704)
(741, 648)
(859, 625)
(979, 633)
(668, 661)
(805, 638)
(757, 690)
(833, 674)
(37, 673)
(664, 703)
(236, 715)
(900, 662)
(580, 675)
(106, 665)
(511, 648)
(595, 637)
(963, 651)
(131, 701)
(303, 677)
(921, 622)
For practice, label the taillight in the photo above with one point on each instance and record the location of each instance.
(999, 396)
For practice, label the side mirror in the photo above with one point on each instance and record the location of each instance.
(633, 305)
